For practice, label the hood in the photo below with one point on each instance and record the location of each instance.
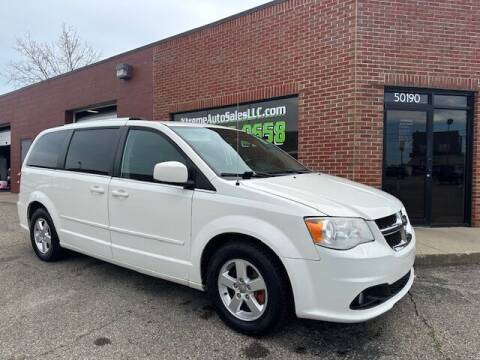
(330, 195)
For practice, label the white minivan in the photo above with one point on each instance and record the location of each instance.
(221, 211)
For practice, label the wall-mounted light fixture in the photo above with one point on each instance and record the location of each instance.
(124, 71)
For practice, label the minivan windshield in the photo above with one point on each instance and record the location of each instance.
(233, 153)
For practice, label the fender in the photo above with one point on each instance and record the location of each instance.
(38, 196)
(263, 231)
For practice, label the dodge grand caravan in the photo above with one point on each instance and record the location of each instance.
(221, 211)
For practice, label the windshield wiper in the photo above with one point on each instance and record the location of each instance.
(260, 174)
(306, 171)
(246, 174)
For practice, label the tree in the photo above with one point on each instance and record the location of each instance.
(42, 60)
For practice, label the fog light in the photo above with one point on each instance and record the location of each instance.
(361, 299)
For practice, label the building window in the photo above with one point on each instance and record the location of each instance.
(276, 120)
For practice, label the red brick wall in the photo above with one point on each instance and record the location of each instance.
(337, 55)
(33, 109)
(294, 47)
(428, 43)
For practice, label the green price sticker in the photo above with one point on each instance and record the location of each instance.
(273, 132)
(280, 127)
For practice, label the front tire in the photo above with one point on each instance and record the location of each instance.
(43, 236)
(248, 288)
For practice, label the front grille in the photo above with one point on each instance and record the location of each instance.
(378, 294)
(393, 229)
(394, 239)
(386, 221)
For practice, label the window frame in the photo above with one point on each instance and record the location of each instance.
(194, 173)
(63, 158)
(430, 108)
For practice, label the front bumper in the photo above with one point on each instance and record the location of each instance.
(325, 289)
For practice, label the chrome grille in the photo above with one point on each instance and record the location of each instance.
(386, 221)
(394, 230)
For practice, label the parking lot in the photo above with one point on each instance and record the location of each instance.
(82, 308)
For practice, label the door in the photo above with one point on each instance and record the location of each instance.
(449, 166)
(97, 113)
(426, 154)
(406, 159)
(5, 141)
(81, 191)
(150, 222)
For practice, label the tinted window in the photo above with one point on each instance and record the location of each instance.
(46, 150)
(144, 149)
(92, 151)
(450, 100)
(25, 146)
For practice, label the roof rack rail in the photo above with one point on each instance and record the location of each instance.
(136, 118)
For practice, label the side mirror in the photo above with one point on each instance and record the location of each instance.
(171, 172)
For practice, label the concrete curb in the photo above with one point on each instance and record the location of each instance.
(447, 259)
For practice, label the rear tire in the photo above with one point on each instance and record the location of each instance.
(43, 236)
(248, 288)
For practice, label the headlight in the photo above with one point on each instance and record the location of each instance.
(339, 233)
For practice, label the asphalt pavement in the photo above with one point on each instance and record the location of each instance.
(83, 308)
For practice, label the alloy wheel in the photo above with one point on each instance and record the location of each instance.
(242, 289)
(42, 235)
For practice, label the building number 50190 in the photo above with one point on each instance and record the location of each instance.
(406, 98)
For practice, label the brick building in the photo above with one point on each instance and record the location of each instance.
(379, 91)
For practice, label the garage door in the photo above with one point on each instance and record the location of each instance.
(5, 137)
(99, 113)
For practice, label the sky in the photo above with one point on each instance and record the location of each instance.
(110, 26)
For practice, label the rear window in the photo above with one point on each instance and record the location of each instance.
(92, 151)
(46, 150)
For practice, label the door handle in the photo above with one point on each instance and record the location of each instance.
(97, 189)
(120, 193)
